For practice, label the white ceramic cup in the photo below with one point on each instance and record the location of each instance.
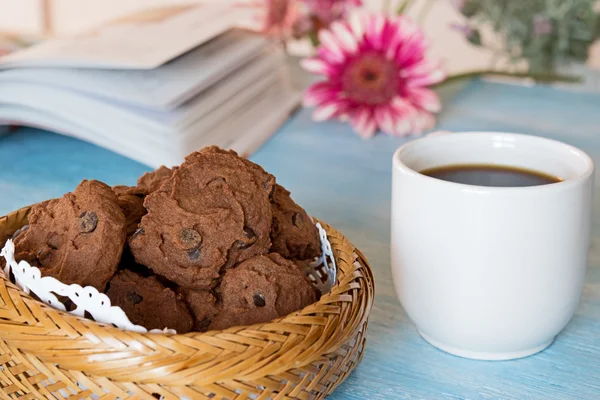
(490, 273)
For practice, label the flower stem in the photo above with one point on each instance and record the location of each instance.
(425, 11)
(538, 77)
(404, 7)
(314, 38)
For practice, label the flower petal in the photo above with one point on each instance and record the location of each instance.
(404, 112)
(412, 48)
(422, 121)
(330, 47)
(402, 126)
(432, 78)
(396, 40)
(424, 98)
(401, 105)
(326, 111)
(385, 120)
(374, 31)
(344, 37)
(319, 93)
(316, 66)
(423, 67)
(364, 123)
(395, 36)
(389, 34)
(370, 129)
(357, 23)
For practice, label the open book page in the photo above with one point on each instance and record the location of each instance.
(75, 106)
(142, 41)
(244, 131)
(251, 122)
(198, 85)
(248, 119)
(165, 87)
(275, 112)
(147, 137)
(257, 71)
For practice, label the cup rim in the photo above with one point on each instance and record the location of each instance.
(589, 170)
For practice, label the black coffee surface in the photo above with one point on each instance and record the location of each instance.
(490, 175)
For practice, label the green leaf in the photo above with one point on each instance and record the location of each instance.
(475, 37)
(470, 8)
(597, 28)
(538, 77)
(575, 25)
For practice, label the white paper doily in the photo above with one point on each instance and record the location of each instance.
(87, 299)
(323, 271)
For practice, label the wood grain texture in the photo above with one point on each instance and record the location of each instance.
(347, 182)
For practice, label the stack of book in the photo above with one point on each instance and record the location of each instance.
(153, 87)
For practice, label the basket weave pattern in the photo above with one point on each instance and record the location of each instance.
(46, 353)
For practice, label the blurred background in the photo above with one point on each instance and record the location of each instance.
(441, 20)
(201, 71)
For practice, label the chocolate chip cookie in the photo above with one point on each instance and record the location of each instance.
(252, 188)
(152, 181)
(204, 307)
(213, 212)
(21, 254)
(294, 234)
(261, 289)
(131, 201)
(78, 238)
(148, 303)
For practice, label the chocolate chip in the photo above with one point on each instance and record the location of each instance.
(217, 182)
(134, 298)
(203, 324)
(295, 219)
(241, 245)
(194, 254)
(43, 252)
(250, 236)
(259, 300)
(190, 238)
(88, 222)
(54, 241)
(24, 228)
(139, 231)
(249, 233)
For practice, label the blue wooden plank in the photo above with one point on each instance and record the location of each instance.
(347, 182)
(36, 165)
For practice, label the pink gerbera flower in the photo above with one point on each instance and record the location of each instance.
(376, 76)
(276, 17)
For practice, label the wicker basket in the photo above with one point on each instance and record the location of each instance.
(46, 353)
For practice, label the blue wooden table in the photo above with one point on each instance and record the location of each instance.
(346, 181)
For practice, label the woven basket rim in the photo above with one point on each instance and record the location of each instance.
(327, 334)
